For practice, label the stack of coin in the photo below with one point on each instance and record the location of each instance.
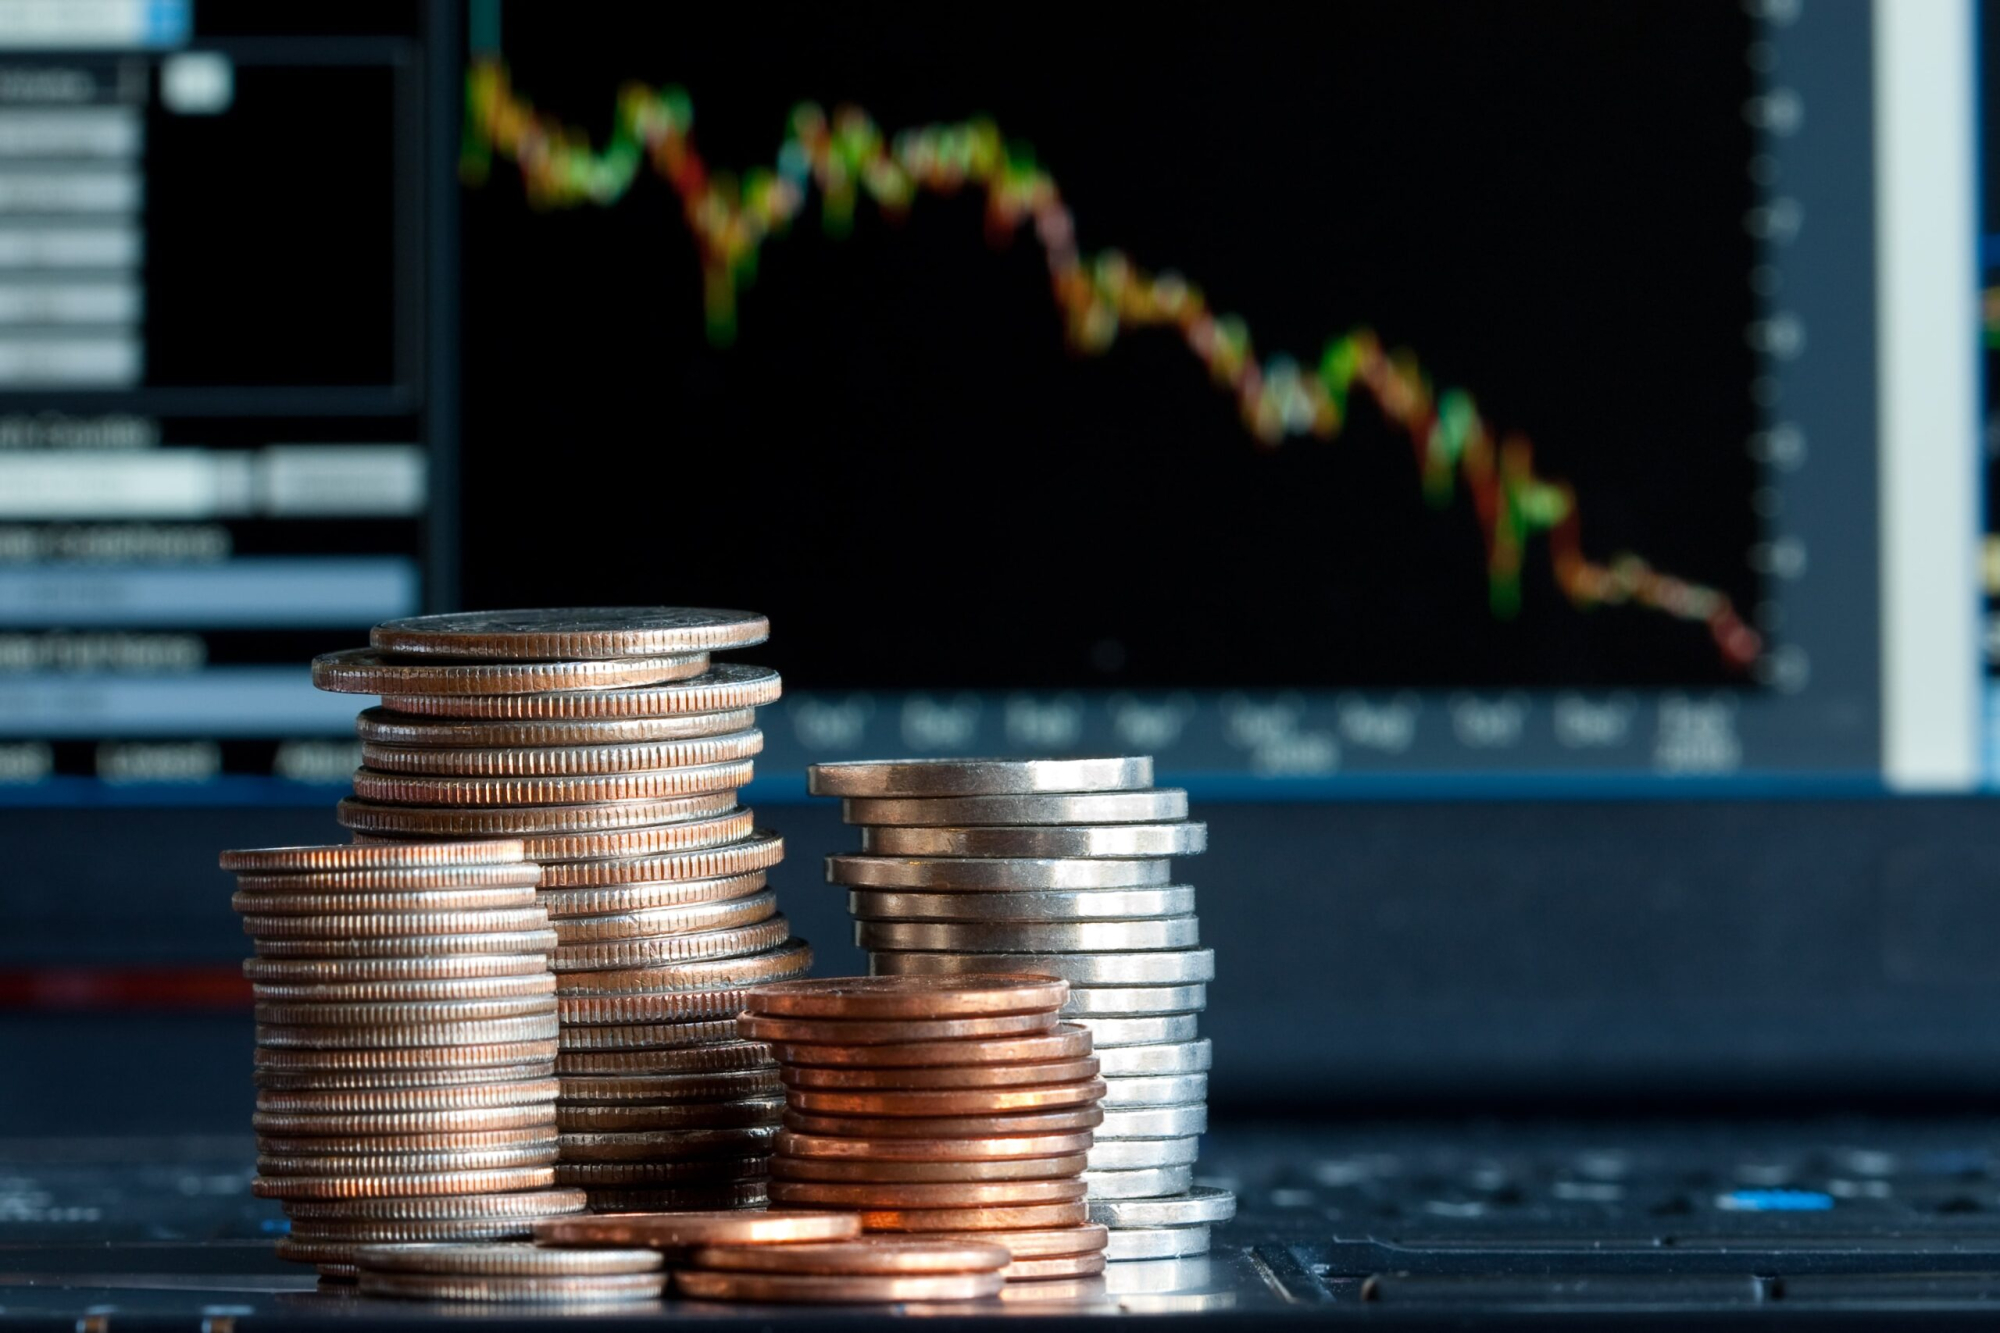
(605, 739)
(944, 1108)
(510, 1273)
(1057, 867)
(406, 1039)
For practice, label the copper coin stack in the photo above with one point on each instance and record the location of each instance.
(946, 1108)
(606, 739)
(1057, 867)
(406, 1040)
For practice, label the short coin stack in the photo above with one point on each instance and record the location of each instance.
(510, 1273)
(406, 1038)
(1057, 867)
(608, 742)
(946, 1108)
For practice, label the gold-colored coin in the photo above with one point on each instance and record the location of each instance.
(370, 671)
(620, 1287)
(657, 921)
(401, 1013)
(656, 1145)
(564, 903)
(878, 1032)
(940, 1078)
(620, 954)
(588, 632)
(490, 1031)
(548, 829)
(425, 1058)
(685, 1006)
(399, 1080)
(724, 685)
(561, 760)
(933, 1194)
(645, 1036)
(394, 789)
(371, 971)
(821, 1289)
(709, 1058)
(380, 726)
(271, 1164)
(693, 1170)
(944, 1101)
(760, 850)
(779, 1226)
(377, 947)
(709, 1195)
(611, 1090)
(792, 958)
(533, 1203)
(376, 1146)
(838, 1147)
(749, 1111)
(391, 879)
(1023, 1124)
(369, 925)
(371, 1101)
(344, 856)
(507, 1260)
(898, 998)
(1042, 1243)
(442, 990)
(417, 1185)
(862, 1254)
(998, 1218)
(423, 900)
(923, 1173)
(364, 1123)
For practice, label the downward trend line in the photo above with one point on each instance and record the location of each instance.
(1099, 295)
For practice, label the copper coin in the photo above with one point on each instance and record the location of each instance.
(530, 1203)
(693, 1170)
(696, 1195)
(375, 948)
(370, 671)
(342, 856)
(624, 1089)
(588, 632)
(655, 921)
(1068, 1041)
(550, 832)
(875, 1032)
(667, 1145)
(249, 903)
(944, 1102)
(358, 925)
(516, 874)
(359, 971)
(399, 1080)
(541, 982)
(649, 1007)
(524, 1092)
(710, 1058)
(424, 1185)
(272, 1165)
(560, 760)
(400, 1013)
(450, 1287)
(948, 1076)
(761, 850)
(409, 1034)
(396, 789)
(819, 1289)
(383, 726)
(631, 1036)
(621, 954)
(674, 1116)
(863, 1254)
(408, 1057)
(507, 1260)
(388, 1145)
(837, 1148)
(1054, 1290)
(998, 1218)
(639, 897)
(909, 997)
(723, 685)
(1025, 1123)
(935, 1194)
(403, 1122)
(779, 1226)
(788, 958)
(1001, 1168)
(1042, 1243)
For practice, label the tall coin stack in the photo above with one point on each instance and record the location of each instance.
(1057, 867)
(606, 740)
(954, 1108)
(406, 1039)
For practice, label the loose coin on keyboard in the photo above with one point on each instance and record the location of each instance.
(588, 632)
(1157, 967)
(1173, 932)
(1108, 807)
(1032, 840)
(1023, 905)
(977, 777)
(907, 998)
(1000, 873)
(1141, 1183)
(673, 1231)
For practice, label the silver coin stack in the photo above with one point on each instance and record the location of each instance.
(1057, 867)
(608, 742)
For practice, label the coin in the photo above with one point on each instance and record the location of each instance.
(380, 1146)
(868, 1032)
(423, 1121)
(676, 1145)
(667, 920)
(868, 1254)
(250, 903)
(639, 897)
(1140, 1154)
(1132, 1001)
(1172, 932)
(943, 1194)
(381, 947)
(704, 1170)
(695, 1195)
(944, 1076)
(1061, 1265)
(1038, 840)
(1129, 1243)
(977, 777)
(1018, 1124)
(444, 990)
(907, 997)
(1139, 1183)
(839, 1147)
(587, 632)
(788, 959)
(1041, 1243)
(1101, 807)
(1022, 905)
(507, 1260)
(1064, 1042)
(748, 1111)
(271, 1164)
(622, 954)
(424, 1184)
(399, 1080)
(389, 879)
(1054, 1291)
(1146, 1030)
(547, 832)
(1002, 1168)
(383, 726)
(356, 924)
(693, 780)
(526, 1092)
(471, 1206)
(723, 685)
(646, 1008)
(400, 1013)
(359, 971)
(945, 1101)
(728, 1085)
(823, 1289)
(708, 1057)
(370, 671)
(409, 1057)
(1200, 1206)
(451, 1287)
(343, 856)
(779, 1226)
(997, 1218)
(1157, 967)
(489, 1031)
(977, 874)
(354, 1233)
(1154, 1122)
(561, 760)
(761, 850)
(1155, 1090)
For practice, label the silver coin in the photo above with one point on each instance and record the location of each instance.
(1154, 1122)
(1138, 1154)
(1172, 932)
(590, 632)
(1144, 1030)
(386, 727)
(1130, 1001)
(1160, 967)
(1202, 1205)
(1155, 1243)
(977, 777)
(1154, 1089)
(1024, 905)
(991, 874)
(1146, 1183)
(1089, 807)
(1145, 1278)
(1090, 840)
(1176, 1057)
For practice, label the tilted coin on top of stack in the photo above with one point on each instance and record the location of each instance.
(605, 739)
(406, 1044)
(1057, 867)
(946, 1108)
